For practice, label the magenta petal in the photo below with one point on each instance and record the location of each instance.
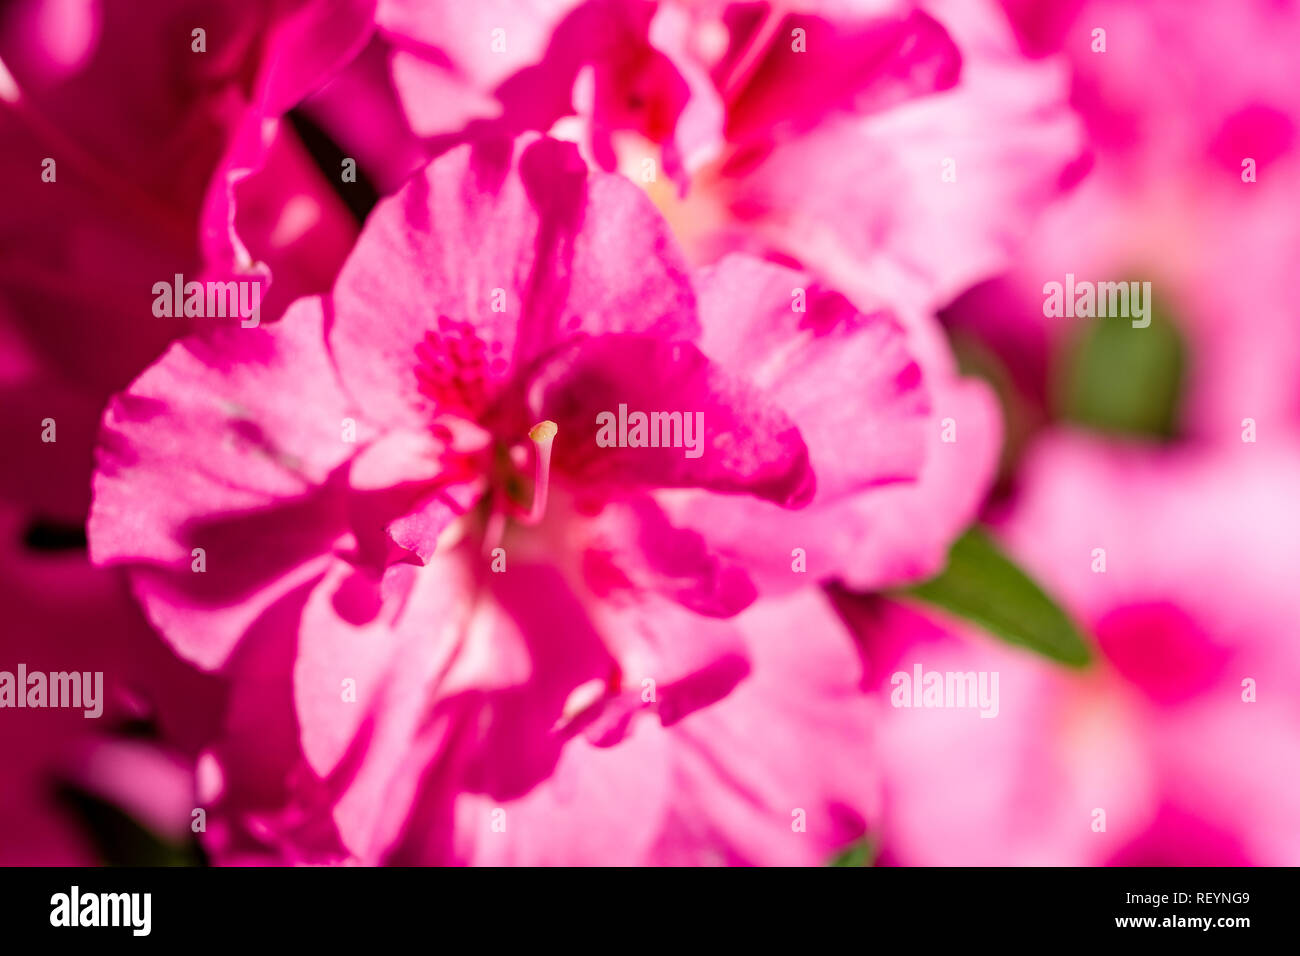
(904, 531)
(309, 45)
(794, 740)
(243, 420)
(631, 547)
(462, 33)
(863, 66)
(881, 537)
(418, 530)
(723, 785)
(698, 128)
(692, 662)
(748, 445)
(286, 217)
(893, 490)
(434, 656)
(846, 379)
(598, 806)
(857, 198)
(290, 205)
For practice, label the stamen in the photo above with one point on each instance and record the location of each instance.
(542, 435)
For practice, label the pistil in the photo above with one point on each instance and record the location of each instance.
(542, 436)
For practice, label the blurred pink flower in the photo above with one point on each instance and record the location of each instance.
(153, 141)
(1185, 732)
(124, 149)
(350, 472)
(63, 616)
(1172, 119)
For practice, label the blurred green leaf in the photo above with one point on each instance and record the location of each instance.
(983, 585)
(861, 853)
(1121, 379)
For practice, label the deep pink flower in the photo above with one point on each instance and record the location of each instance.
(350, 471)
(814, 133)
(124, 150)
(64, 617)
(153, 142)
(1185, 733)
(61, 615)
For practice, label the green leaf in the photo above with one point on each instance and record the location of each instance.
(861, 853)
(1120, 379)
(983, 585)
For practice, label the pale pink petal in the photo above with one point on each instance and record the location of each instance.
(512, 255)
(164, 489)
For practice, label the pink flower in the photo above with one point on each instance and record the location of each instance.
(400, 492)
(1179, 745)
(819, 134)
(833, 134)
(1192, 189)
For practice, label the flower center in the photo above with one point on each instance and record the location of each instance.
(507, 495)
(461, 374)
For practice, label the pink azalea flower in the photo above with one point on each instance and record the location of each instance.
(956, 128)
(816, 130)
(404, 506)
(1179, 745)
(812, 133)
